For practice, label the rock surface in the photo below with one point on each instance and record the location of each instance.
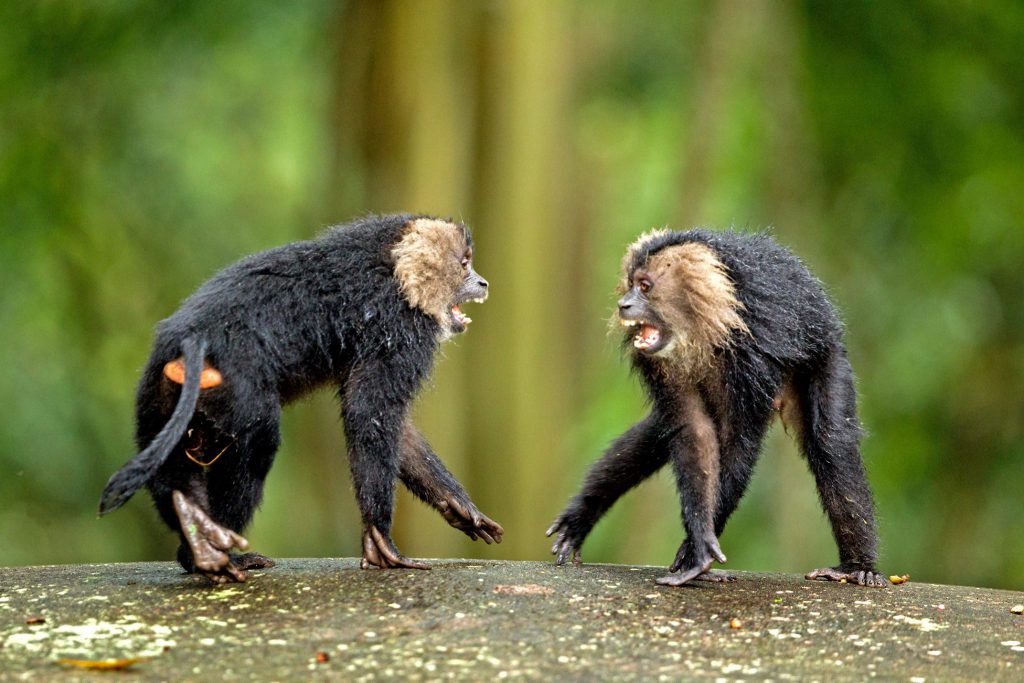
(326, 618)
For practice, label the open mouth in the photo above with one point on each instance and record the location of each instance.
(649, 338)
(459, 319)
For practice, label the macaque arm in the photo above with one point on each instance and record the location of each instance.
(374, 403)
(696, 463)
(426, 477)
(633, 457)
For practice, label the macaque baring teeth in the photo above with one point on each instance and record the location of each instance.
(647, 337)
(459, 316)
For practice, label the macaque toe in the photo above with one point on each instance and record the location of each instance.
(252, 561)
(686, 549)
(686, 575)
(690, 566)
(715, 576)
(379, 552)
(860, 577)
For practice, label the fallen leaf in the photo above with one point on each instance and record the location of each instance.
(35, 620)
(102, 664)
(322, 657)
(899, 579)
(1017, 609)
(735, 623)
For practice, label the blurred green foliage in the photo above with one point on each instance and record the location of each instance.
(145, 145)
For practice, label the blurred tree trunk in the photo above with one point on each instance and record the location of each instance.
(518, 365)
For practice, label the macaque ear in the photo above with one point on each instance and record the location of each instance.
(428, 265)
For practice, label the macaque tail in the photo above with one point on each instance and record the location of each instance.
(140, 469)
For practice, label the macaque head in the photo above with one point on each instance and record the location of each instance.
(677, 298)
(434, 268)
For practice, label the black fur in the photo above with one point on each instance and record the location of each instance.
(277, 325)
(795, 335)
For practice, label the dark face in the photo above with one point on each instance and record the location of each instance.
(638, 310)
(473, 288)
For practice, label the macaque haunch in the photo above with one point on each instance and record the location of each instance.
(363, 309)
(727, 330)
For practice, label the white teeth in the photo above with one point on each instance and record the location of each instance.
(629, 323)
(478, 300)
(467, 320)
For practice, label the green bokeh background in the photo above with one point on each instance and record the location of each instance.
(144, 145)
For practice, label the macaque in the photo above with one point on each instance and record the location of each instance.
(725, 331)
(362, 308)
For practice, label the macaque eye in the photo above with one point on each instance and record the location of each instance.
(466, 259)
(644, 285)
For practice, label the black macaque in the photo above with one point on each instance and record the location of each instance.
(725, 331)
(363, 308)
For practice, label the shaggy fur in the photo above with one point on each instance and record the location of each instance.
(427, 265)
(758, 326)
(363, 309)
(698, 300)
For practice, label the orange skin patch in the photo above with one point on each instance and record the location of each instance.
(210, 377)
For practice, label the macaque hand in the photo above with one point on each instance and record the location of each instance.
(570, 529)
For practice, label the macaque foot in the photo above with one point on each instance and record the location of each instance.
(691, 565)
(469, 520)
(209, 542)
(715, 576)
(861, 577)
(379, 551)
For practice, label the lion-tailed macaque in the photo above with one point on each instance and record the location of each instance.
(727, 330)
(362, 308)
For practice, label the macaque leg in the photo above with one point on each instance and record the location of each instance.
(738, 456)
(235, 481)
(374, 420)
(631, 458)
(428, 479)
(696, 462)
(208, 543)
(831, 441)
